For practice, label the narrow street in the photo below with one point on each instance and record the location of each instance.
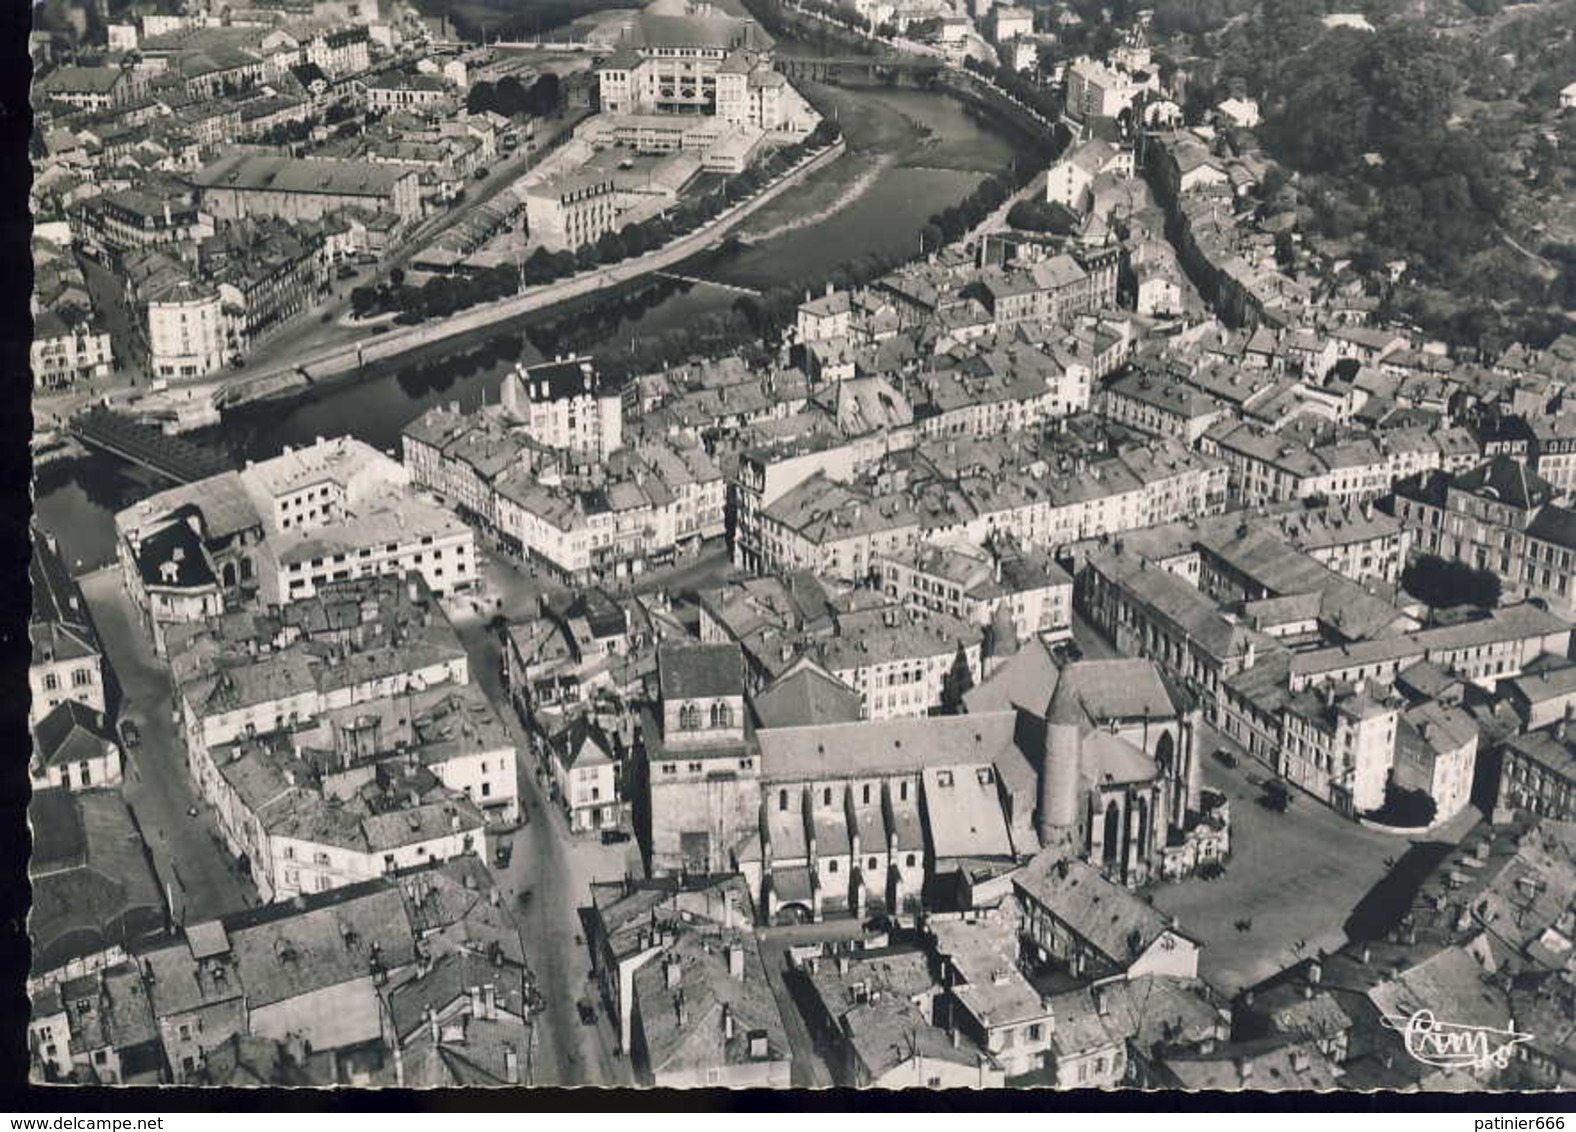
(199, 875)
(547, 881)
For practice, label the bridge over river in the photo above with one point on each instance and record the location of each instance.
(146, 446)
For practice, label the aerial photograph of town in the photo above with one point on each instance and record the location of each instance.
(802, 544)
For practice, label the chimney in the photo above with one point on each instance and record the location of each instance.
(681, 1009)
(1315, 972)
(1366, 954)
(511, 1064)
(1245, 1070)
(727, 1022)
(490, 1001)
(432, 1025)
(1102, 1001)
(673, 972)
(476, 1002)
(842, 964)
(1207, 1046)
(736, 961)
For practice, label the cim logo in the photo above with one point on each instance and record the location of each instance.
(1450, 1045)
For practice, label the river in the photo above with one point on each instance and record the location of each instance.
(911, 153)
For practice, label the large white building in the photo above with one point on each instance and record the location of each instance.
(567, 212)
(186, 331)
(564, 406)
(670, 64)
(337, 510)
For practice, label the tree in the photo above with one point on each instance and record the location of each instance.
(1441, 583)
(512, 97)
(364, 301)
(610, 248)
(955, 684)
(1410, 809)
(545, 95)
(482, 99)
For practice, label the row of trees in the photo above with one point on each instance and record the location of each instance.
(438, 297)
(1042, 216)
(512, 98)
(1042, 100)
(442, 296)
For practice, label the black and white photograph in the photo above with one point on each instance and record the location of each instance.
(1017, 549)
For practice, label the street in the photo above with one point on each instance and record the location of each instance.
(199, 874)
(552, 870)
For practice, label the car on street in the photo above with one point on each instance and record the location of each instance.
(1225, 757)
(129, 735)
(587, 1012)
(614, 837)
(503, 852)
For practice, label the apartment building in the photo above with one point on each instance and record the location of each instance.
(188, 331)
(563, 406)
(973, 585)
(1498, 517)
(567, 211)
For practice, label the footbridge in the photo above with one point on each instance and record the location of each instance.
(734, 287)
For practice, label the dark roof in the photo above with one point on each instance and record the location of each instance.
(70, 733)
(56, 597)
(572, 377)
(179, 544)
(243, 1060)
(1508, 481)
(1554, 524)
(690, 671)
(93, 885)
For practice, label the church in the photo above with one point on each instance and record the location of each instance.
(867, 816)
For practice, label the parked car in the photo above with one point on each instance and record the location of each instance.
(1277, 795)
(481, 174)
(587, 1012)
(503, 852)
(1225, 757)
(129, 734)
(614, 837)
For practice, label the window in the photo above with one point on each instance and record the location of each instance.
(782, 800)
(867, 794)
(84, 775)
(51, 682)
(486, 789)
(826, 796)
(82, 677)
(1034, 1032)
(831, 866)
(689, 718)
(721, 715)
(909, 861)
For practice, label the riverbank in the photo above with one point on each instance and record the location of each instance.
(343, 362)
